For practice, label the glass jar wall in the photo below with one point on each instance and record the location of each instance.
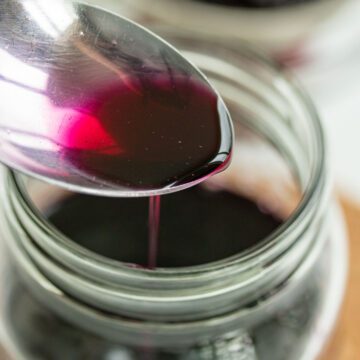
(278, 299)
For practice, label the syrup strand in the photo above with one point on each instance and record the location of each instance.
(154, 223)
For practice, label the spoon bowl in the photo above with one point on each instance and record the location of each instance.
(95, 103)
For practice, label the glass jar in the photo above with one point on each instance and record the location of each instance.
(277, 300)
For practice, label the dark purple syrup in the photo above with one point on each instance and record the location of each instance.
(162, 132)
(154, 228)
(198, 226)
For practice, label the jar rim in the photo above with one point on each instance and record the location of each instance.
(314, 190)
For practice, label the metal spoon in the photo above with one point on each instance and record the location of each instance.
(52, 53)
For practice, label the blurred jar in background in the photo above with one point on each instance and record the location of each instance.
(294, 31)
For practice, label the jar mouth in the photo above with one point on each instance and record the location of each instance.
(266, 249)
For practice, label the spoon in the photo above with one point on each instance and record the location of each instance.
(95, 103)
